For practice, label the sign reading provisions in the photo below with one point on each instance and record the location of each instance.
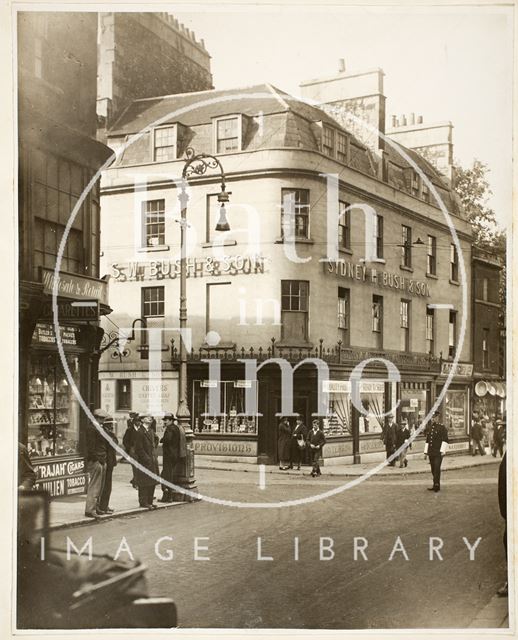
(62, 477)
(44, 334)
(74, 286)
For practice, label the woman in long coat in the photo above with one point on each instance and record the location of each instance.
(145, 454)
(284, 444)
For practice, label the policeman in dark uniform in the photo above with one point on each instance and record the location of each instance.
(435, 448)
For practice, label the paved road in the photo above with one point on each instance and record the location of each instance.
(235, 589)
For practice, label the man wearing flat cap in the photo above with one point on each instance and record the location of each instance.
(174, 450)
(96, 454)
(111, 461)
(145, 454)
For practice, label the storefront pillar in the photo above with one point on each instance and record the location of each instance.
(355, 425)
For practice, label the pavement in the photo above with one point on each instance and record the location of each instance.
(69, 511)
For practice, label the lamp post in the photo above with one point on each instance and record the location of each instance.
(196, 165)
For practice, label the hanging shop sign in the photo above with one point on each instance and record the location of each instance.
(62, 477)
(377, 277)
(74, 286)
(44, 334)
(459, 370)
(196, 268)
(72, 310)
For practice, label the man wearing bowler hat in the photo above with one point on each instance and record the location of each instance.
(145, 455)
(174, 451)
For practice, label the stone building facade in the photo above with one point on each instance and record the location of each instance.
(394, 290)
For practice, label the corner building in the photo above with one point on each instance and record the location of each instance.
(395, 291)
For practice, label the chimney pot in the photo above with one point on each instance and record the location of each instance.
(412, 118)
(419, 119)
(394, 122)
(403, 121)
(341, 65)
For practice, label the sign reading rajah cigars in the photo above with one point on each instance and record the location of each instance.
(377, 277)
(196, 268)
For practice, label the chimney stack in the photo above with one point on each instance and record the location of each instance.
(359, 93)
(412, 118)
(419, 119)
(394, 122)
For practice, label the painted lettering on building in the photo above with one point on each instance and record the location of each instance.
(377, 277)
(196, 268)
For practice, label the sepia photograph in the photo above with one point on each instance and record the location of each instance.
(263, 370)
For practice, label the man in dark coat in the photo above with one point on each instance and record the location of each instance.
(111, 461)
(128, 439)
(499, 438)
(435, 448)
(389, 438)
(316, 440)
(503, 592)
(96, 453)
(174, 452)
(145, 454)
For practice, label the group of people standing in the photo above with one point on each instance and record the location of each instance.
(394, 436)
(141, 443)
(293, 442)
(487, 430)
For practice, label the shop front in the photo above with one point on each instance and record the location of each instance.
(52, 421)
(456, 410)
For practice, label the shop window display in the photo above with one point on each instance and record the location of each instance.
(232, 407)
(338, 421)
(455, 414)
(53, 410)
(412, 407)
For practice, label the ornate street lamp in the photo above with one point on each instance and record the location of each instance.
(196, 165)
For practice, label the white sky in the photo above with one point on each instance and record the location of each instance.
(441, 62)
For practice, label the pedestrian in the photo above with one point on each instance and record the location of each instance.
(298, 442)
(27, 475)
(316, 441)
(96, 453)
(435, 448)
(174, 452)
(111, 461)
(499, 438)
(145, 455)
(477, 433)
(389, 438)
(128, 440)
(503, 592)
(489, 425)
(284, 444)
(402, 435)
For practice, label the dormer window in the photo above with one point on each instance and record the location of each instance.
(228, 134)
(415, 183)
(341, 147)
(328, 141)
(165, 143)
